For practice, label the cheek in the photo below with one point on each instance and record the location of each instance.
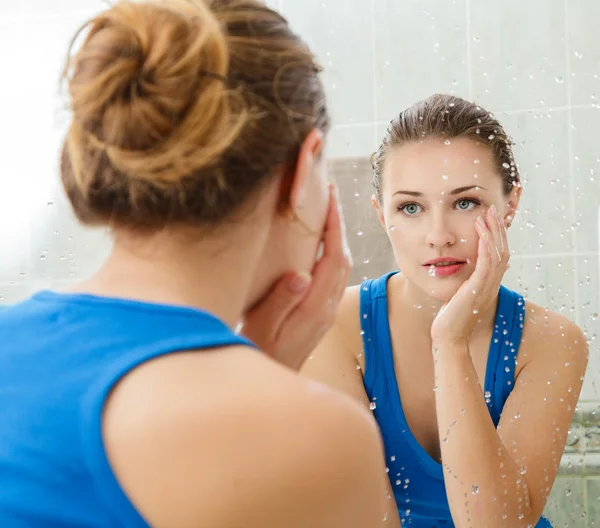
(405, 243)
(315, 207)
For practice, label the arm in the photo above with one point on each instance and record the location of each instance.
(504, 476)
(338, 362)
(231, 439)
(335, 360)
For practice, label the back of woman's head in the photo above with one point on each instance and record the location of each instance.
(184, 109)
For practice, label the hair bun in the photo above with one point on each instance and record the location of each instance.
(137, 89)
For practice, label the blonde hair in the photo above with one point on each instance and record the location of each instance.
(184, 108)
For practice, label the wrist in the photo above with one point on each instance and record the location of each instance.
(450, 346)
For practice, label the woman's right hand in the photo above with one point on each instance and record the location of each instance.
(290, 321)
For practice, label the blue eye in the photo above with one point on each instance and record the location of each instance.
(466, 204)
(410, 209)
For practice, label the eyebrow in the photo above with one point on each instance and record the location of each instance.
(453, 192)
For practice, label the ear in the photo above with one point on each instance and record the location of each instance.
(379, 212)
(293, 188)
(513, 204)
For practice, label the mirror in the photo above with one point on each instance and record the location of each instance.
(535, 66)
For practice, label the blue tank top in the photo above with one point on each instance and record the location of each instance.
(60, 356)
(417, 479)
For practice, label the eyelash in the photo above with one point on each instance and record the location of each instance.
(403, 207)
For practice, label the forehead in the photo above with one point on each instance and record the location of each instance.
(434, 165)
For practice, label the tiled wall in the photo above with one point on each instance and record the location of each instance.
(535, 64)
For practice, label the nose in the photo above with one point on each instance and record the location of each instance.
(440, 233)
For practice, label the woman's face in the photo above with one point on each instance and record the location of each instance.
(433, 191)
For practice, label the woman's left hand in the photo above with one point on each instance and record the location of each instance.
(457, 318)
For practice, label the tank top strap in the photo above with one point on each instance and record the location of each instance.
(504, 347)
(374, 327)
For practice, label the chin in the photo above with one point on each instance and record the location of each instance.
(443, 293)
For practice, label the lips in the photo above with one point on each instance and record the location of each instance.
(444, 261)
(444, 266)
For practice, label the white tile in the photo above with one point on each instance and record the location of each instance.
(351, 141)
(586, 177)
(547, 281)
(339, 32)
(545, 218)
(420, 50)
(584, 51)
(588, 289)
(518, 54)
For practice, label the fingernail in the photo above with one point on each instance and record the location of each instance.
(299, 282)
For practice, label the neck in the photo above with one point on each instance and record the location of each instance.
(202, 272)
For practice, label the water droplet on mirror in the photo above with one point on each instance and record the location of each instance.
(491, 136)
(523, 470)
(373, 406)
(475, 490)
(359, 233)
(392, 228)
(447, 142)
(559, 80)
(476, 161)
(431, 271)
(475, 312)
(488, 396)
(392, 458)
(444, 177)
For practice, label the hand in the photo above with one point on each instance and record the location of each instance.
(456, 320)
(290, 321)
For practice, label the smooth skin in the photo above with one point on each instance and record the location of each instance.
(443, 200)
(232, 437)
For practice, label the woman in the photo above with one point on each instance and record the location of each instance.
(196, 136)
(473, 390)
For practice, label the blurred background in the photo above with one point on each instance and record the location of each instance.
(535, 65)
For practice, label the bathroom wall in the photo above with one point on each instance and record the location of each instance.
(535, 64)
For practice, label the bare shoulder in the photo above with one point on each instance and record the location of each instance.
(549, 336)
(338, 360)
(230, 438)
(347, 325)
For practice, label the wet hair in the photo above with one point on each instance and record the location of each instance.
(447, 117)
(182, 110)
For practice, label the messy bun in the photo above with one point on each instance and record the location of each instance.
(158, 118)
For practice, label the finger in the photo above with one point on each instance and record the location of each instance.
(484, 255)
(500, 231)
(504, 236)
(495, 240)
(330, 274)
(266, 319)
